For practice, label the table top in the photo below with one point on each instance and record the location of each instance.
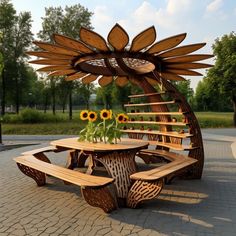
(124, 144)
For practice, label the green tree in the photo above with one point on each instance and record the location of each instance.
(224, 70)
(67, 22)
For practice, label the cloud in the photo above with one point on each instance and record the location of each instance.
(214, 6)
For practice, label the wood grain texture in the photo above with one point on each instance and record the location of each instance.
(89, 79)
(71, 43)
(62, 72)
(143, 39)
(166, 44)
(93, 39)
(181, 50)
(189, 58)
(121, 81)
(188, 65)
(118, 38)
(51, 62)
(50, 55)
(184, 72)
(75, 76)
(56, 49)
(53, 68)
(105, 80)
(171, 76)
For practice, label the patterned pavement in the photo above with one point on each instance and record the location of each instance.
(186, 207)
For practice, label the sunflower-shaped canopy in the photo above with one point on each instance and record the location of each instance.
(92, 58)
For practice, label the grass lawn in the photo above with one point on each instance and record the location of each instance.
(206, 120)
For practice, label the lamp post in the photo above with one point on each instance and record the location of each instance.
(1, 130)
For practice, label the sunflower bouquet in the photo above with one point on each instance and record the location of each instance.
(107, 130)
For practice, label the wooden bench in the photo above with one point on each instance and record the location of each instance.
(148, 184)
(95, 189)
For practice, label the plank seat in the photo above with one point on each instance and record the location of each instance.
(95, 189)
(40, 150)
(148, 184)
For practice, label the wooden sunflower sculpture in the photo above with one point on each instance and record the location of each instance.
(92, 57)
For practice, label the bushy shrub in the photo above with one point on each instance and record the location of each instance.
(29, 115)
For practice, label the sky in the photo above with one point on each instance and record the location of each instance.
(203, 21)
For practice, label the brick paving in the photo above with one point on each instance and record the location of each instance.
(193, 207)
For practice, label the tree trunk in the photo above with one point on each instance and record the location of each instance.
(53, 101)
(17, 102)
(3, 98)
(70, 104)
(45, 104)
(234, 104)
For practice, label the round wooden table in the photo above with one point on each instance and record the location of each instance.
(118, 159)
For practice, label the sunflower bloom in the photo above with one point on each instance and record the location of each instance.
(126, 118)
(84, 115)
(120, 118)
(110, 114)
(105, 114)
(92, 116)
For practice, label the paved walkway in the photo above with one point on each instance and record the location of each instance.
(196, 207)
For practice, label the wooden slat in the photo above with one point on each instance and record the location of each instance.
(148, 104)
(118, 38)
(167, 43)
(105, 80)
(154, 113)
(93, 39)
(171, 76)
(62, 72)
(188, 66)
(146, 94)
(39, 150)
(71, 176)
(151, 81)
(143, 40)
(189, 58)
(184, 72)
(157, 123)
(51, 62)
(181, 50)
(125, 144)
(50, 55)
(71, 43)
(75, 76)
(121, 81)
(53, 68)
(89, 79)
(164, 170)
(56, 49)
(170, 134)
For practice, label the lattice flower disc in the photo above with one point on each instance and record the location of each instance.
(93, 58)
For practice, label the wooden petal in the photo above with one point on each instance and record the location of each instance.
(190, 58)
(75, 76)
(50, 62)
(56, 49)
(182, 50)
(121, 81)
(143, 40)
(50, 55)
(183, 72)
(144, 68)
(71, 43)
(89, 79)
(105, 80)
(93, 39)
(62, 72)
(118, 38)
(166, 44)
(171, 76)
(152, 81)
(188, 65)
(53, 68)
